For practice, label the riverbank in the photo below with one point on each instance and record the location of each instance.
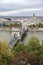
(36, 29)
(29, 29)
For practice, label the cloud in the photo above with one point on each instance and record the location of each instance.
(11, 1)
(10, 7)
(19, 11)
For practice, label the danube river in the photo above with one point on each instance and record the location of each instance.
(7, 36)
(39, 35)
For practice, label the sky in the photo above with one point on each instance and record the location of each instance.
(21, 7)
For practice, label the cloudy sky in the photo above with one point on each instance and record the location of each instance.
(21, 7)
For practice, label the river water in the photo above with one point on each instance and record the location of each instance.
(7, 36)
(39, 35)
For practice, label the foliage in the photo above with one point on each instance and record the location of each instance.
(26, 59)
(40, 25)
(5, 54)
(42, 42)
(32, 53)
(14, 25)
(19, 48)
(34, 43)
(34, 50)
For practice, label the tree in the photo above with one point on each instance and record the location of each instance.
(19, 48)
(5, 54)
(41, 51)
(33, 45)
(31, 53)
(40, 25)
(42, 42)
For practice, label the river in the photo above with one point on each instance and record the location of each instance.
(39, 35)
(7, 36)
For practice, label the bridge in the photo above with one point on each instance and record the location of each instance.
(15, 40)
